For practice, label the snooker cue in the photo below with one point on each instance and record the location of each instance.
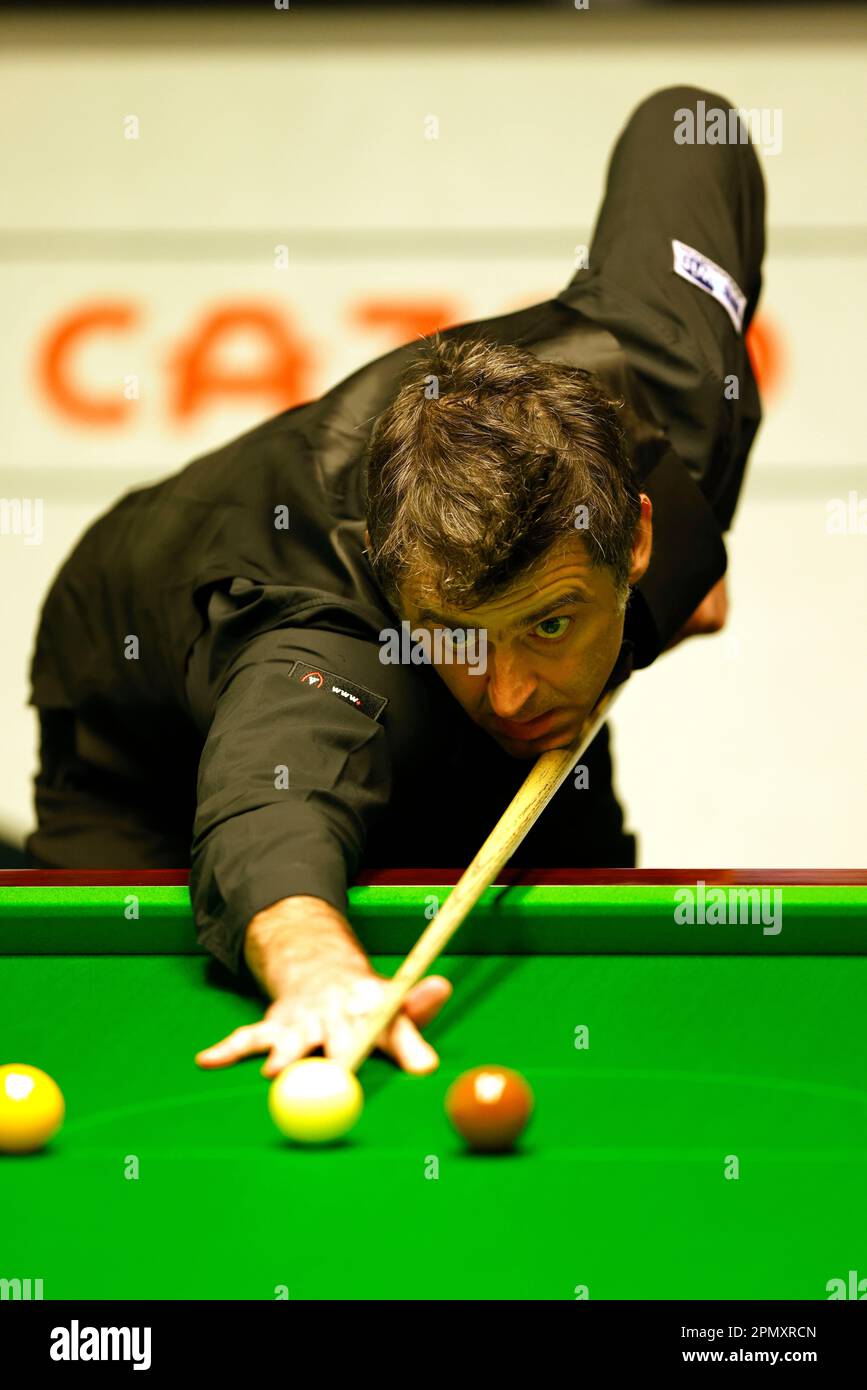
(545, 777)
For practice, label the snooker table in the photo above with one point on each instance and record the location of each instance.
(710, 1046)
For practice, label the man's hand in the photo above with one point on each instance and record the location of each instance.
(306, 957)
(710, 616)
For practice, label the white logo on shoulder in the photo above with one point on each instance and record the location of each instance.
(691, 265)
(345, 694)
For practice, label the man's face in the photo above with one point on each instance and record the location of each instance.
(552, 640)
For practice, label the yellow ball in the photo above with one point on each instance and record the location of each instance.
(31, 1108)
(315, 1100)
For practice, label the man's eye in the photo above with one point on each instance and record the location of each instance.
(552, 628)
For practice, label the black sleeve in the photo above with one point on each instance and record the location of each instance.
(686, 348)
(311, 702)
(688, 557)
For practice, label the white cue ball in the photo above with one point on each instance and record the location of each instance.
(315, 1100)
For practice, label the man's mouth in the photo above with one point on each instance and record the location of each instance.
(525, 730)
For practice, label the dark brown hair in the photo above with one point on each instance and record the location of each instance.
(476, 468)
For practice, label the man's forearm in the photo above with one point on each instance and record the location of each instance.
(283, 937)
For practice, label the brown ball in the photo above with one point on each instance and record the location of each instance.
(489, 1107)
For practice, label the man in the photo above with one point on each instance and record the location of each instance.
(208, 668)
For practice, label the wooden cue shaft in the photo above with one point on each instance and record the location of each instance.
(546, 775)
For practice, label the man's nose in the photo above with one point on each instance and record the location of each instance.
(510, 685)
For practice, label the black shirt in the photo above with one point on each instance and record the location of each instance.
(235, 663)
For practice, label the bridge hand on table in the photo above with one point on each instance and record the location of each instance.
(327, 1017)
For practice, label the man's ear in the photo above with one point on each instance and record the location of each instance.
(642, 541)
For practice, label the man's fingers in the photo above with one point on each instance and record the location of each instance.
(336, 1028)
(243, 1042)
(340, 1034)
(402, 1039)
(425, 999)
(290, 1046)
(405, 1044)
(364, 997)
(283, 1042)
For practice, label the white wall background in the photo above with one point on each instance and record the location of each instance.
(744, 749)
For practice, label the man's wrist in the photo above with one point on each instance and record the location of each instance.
(290, 930)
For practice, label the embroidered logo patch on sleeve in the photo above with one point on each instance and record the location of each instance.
(691, 265)
(317, 678)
